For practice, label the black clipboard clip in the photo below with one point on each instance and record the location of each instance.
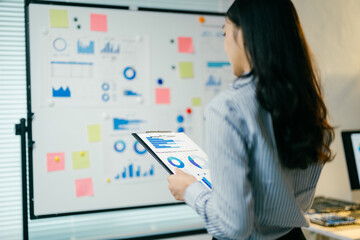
(158, 131)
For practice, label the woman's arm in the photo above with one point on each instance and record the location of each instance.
(228, 210)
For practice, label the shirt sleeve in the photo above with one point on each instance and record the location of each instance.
(227, 211)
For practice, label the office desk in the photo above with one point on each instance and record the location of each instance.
(351, 232)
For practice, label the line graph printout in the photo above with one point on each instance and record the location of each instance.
(177, 150)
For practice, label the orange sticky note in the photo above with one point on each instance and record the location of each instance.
(185, 45)
(162, 95)
(55, 161)
(98, 22)
(84, 187)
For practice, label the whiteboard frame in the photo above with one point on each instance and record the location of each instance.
(30, 114)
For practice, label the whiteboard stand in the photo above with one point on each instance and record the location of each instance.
(21, 129)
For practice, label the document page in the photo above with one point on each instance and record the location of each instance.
(177, 150)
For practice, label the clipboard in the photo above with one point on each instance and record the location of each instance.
(176, 150)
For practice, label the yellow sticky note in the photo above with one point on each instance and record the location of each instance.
(80, 159)
(186, 69)
(94, 133)
(196, 101)
(59, 18)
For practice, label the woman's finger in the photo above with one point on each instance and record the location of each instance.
(178, 171)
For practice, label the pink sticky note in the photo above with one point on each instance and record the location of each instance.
(162, 95)
(84, 187)
(98, 22)
(185, 45)
(55, 161)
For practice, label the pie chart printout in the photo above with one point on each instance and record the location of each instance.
(198, 161)
(176, 150)
(176, 162)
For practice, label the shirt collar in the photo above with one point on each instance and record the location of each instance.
(243, 79)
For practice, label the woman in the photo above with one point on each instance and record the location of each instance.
(267, 136)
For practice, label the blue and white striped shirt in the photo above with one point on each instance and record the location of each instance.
(253, 196)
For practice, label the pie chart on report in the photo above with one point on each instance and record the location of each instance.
(198, 161)
(176, 162)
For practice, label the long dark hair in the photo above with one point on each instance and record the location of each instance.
(288, 83)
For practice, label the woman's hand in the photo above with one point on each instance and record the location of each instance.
(178, 183)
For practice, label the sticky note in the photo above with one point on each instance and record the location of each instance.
(94, 133)
(185, 45)
(59, 18)
(186, 69)
(98, 22)
(84, 187)
(162, 95)
(80, 159)
(196, 101)
(55, 161)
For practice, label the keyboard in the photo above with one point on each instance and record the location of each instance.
(331, 219)
(332, 212)
(331, 205)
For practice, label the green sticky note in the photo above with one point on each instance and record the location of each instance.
(59, 18)
(94, 133)
(196, 101)
(80, 159)
(186, 69)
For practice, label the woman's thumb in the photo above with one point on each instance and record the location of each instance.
(178, 171)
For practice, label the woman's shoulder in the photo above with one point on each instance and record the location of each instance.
(239, 97)
(236, 106)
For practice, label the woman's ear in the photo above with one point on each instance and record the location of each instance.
(239, 37)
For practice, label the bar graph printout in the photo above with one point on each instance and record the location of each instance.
(177, 150)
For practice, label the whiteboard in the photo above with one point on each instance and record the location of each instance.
(99, 74)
